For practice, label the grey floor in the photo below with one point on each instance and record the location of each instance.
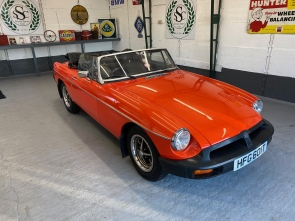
(58, 166)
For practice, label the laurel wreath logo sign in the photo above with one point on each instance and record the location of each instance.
(36, 17)
(191, 17)
(20, 16)
(5, 15)
(180, 18)
(168, 17)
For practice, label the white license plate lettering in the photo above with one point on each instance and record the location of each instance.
(248, 158)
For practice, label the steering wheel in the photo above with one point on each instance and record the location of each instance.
(116, 70)
(49, 36)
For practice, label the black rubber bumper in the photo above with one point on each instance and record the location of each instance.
(220, 157)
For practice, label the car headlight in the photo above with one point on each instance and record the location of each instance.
(258, 106)
(181, 139)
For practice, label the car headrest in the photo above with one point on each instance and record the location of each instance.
(127, 57)
(73, 58)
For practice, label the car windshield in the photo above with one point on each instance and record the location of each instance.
(135, 63)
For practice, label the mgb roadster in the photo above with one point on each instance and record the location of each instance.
(169, 121)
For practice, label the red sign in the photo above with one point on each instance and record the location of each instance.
(67, 35)
(137, 2)
(268, 4)
(3, 40)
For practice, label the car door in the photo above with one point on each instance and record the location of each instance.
(85, 88)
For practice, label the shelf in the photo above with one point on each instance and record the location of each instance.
(57, 43)
(48, 44)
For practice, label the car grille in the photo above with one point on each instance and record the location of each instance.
(239, 145)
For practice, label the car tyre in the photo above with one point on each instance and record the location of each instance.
(144, 155)
(70, 105)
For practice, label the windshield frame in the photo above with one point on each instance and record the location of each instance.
(102, 81)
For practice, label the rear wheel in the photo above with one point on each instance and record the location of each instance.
(144, 155)
(71, 106)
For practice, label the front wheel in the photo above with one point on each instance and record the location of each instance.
(144, 155)
(71, 106)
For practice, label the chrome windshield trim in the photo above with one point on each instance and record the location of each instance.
(121, 66)
(115, 79)
(153, 72)
(101, 80)
(126, 52)
(105, 71)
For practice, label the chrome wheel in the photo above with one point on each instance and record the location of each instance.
(141, 153)
(66, 97)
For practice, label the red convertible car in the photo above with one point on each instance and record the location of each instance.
(168, 120)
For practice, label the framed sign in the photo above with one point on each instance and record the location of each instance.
(35, 39)
(180, 19)
(67, 35)
(108, 27)
(96, 34)
(12, 41)
(79, 14)
(271, 17)
(22, 40)
(21, 17)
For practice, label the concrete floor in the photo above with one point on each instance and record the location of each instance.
(58, 166)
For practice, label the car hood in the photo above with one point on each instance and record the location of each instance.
(217, 110)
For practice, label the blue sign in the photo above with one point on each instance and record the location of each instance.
(117, 2)
(139, 25)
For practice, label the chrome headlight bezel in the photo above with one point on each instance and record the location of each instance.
(258, 106)
(180, 139)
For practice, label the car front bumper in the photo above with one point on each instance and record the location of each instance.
(220, 157)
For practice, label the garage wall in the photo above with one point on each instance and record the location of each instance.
(242, 58)
(57, 17)
(242, 51)
(126, 17)
(193, 53)
(237, 49)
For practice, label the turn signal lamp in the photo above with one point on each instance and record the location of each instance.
(200, 172)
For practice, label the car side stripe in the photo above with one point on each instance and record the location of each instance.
(119, 112)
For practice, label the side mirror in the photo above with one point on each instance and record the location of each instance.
(82, 74)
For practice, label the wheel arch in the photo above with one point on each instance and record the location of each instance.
(59, 83)
(123, 138)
